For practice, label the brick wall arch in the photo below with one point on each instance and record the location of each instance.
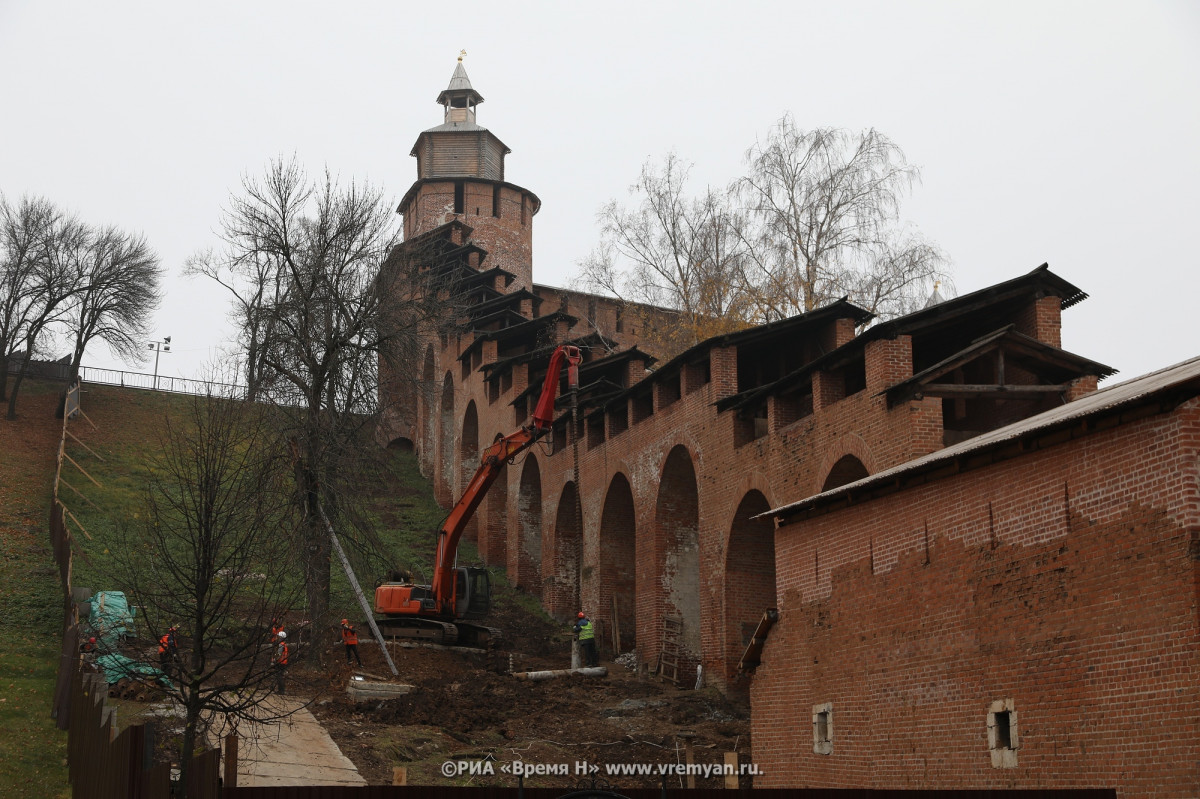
(563, 559)
(618, 559)
(426, 414)
(493, 530)
(468, 457)
(444, 485)
(848, 444)
(676, 563)
(749, 586)
(525, 550)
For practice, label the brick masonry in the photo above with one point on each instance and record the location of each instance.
(1055, 593)
(1064, 580)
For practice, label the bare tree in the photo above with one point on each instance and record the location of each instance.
(118, 290)
(825, 209)
(43, 247)
(321, 311)
(673, 251)
(24, 230)
(213, 554)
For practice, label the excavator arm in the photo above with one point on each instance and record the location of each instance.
(490, 464)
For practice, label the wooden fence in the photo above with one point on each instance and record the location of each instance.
(103, 764)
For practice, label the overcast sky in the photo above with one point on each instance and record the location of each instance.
(1056, 132)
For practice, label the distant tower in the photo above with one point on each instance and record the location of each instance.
(460, 176)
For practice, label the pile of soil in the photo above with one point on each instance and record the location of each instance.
(460, 710)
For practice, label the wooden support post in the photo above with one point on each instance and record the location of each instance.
(85, 446)
(231, 760)
(399, 775)
(77, 491)
(72, 515)
(80, 468)
(85, 416)
(616, 628)
(731, 770)
(689, 756)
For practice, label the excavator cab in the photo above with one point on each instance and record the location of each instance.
(472, 592)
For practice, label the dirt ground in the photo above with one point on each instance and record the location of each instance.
(462, 711)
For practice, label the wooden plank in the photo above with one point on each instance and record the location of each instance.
(399, 775)
(731, 770)
(976, 391)
(89, 421)
(77, 522)
(80, 493)
(231, 760)
(616, 628)
(80, 468)
(85, 446)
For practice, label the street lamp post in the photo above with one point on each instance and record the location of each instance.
(159, 347)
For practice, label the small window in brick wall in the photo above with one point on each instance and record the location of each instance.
(1002, 733)
(823, 729)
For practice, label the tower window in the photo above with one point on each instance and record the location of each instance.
(459, 197)
(523, 212)
(823, 729)
(1003, 740)
(496, 201)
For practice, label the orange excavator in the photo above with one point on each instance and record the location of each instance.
(442, 612)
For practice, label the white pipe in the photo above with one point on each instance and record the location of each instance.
(594, 671)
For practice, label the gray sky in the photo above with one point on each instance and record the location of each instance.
(1045, 131)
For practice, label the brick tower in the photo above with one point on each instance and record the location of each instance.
(460, 177)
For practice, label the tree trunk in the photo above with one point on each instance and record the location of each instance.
(12, 398)
(317, 547)
(187, 749)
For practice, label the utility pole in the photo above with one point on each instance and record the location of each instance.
(159, 347)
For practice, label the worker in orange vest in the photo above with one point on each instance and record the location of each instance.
(168, 648)
(280, 659)
(350, 639)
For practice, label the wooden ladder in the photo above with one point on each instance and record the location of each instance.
(668, 659)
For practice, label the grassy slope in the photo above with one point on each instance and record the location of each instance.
(128, 425)
(32, 750)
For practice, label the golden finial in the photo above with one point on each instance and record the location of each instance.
(461, 53)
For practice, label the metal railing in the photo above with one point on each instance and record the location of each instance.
(174, 385)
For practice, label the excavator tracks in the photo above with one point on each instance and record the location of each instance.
(464, 634)
(428, 630)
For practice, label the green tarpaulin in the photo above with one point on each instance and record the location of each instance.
(118, 667)
(110, 619)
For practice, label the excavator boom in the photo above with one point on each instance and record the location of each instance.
(443, 599)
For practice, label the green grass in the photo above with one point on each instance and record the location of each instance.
(32, 750)
(401, 509)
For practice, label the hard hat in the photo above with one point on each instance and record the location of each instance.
(581, 615)
(282, 634)
(91, 640)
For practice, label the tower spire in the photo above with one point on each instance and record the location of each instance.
(460, 97)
